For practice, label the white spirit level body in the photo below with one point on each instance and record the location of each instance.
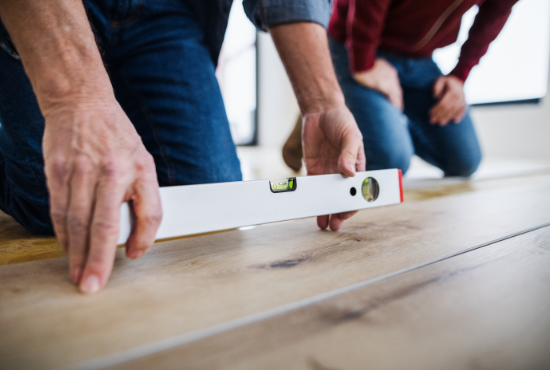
(194, 209)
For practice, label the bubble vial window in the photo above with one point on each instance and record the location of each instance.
(282, 186)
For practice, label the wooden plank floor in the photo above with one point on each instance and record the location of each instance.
(487, 309)
(190, 288)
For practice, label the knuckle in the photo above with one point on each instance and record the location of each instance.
(157, 217)
(83, 166)
(110, 168)
(152, 219)
(57, 215)
(146, 163)
(57, 168)
(105, 227)
(77, 223)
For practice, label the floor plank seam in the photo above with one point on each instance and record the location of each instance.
(166, 344)
(450, 181)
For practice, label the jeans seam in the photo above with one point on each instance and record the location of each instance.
(151, 125)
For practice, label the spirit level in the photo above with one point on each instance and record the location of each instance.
(195, 209)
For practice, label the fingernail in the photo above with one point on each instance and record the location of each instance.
(90, 285)
(350, 167)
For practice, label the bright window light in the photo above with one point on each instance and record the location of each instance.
(237, 75)
(516, 66)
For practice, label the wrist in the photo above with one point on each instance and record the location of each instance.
(69, 105)
(72, 77)
(455, 78)
(322, 103)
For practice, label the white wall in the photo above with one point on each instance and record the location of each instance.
(518, 131)
(277, 106)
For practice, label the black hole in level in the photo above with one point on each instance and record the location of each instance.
(353, 191)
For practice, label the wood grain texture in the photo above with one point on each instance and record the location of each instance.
(19, 245)
(468, 186)
(186, 285)
(485, 309)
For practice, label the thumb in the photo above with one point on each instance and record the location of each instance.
(351, 145)
(439, 87)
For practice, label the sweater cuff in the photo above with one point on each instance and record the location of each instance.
(270, 13)
(361, 58)
(462, 71)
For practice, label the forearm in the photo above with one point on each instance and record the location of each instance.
(488, 23)
(303, 48)
(57, 48)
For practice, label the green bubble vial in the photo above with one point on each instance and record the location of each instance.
(370, 189)
(281, 186)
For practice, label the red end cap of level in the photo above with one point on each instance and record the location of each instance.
(401, 184)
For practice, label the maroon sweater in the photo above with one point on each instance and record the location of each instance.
(415, 28)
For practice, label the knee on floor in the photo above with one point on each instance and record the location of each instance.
(464, 167)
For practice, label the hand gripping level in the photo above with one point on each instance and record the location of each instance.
(195, 209)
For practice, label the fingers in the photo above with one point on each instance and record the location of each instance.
(338, 219)
(443, 111)
(322, 221)
(448, 109)
(361, 163)
(395, 95)
(352, 153)
(455, 114)
(103, 234)
(382, 77)
(392, 87)
(57, 179)
(78, 217)
(335, 221)
(439, 88)
(460, 116)
(438, 113)
(347, 162)
(452, 104)
(148, 210)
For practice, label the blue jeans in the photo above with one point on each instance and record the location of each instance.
(390, 136)
(163, 77)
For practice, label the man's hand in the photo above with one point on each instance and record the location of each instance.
(332, 143)
(384, 78)
(94, 158)
(451, 105)
(95, 161)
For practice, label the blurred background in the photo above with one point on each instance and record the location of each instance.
(507, 91)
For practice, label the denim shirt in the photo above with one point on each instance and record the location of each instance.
(212, 15)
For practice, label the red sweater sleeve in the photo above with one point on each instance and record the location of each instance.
(488, 23)
(364, 26)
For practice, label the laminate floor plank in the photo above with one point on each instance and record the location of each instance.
(485, 309)
(188, 285)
